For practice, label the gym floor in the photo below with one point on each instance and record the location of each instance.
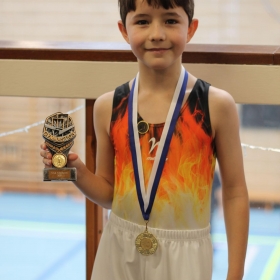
(43, 238)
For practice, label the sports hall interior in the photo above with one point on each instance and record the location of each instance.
(59, 56)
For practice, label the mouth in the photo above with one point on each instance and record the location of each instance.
(158, 49)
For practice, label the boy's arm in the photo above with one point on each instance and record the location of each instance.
(235, 196)
(97, 187)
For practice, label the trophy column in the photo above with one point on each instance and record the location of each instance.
(59, 134)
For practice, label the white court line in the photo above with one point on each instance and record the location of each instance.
(252, 252)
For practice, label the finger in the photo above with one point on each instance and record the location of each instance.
(47, 162)
(43, 153)
(43, 146)
(46, 154)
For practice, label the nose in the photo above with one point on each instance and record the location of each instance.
(157, 32)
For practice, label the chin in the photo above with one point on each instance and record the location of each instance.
(157, 65)
(160, 66)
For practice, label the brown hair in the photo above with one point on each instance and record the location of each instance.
(129, 5)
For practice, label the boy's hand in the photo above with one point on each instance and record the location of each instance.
(47, 157)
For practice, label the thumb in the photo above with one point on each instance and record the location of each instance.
(72, 156)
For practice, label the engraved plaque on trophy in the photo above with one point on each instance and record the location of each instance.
(59, 134)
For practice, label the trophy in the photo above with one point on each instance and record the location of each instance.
(59, 134)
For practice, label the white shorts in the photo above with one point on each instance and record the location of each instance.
(181, 254)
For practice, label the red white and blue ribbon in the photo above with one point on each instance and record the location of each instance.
(146, 198)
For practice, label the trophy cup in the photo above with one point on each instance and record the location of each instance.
(59, 134)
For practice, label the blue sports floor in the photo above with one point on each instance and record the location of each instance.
(42, 237)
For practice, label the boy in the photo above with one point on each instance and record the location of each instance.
(158, 137)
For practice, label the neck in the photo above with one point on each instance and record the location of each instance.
(160, 81)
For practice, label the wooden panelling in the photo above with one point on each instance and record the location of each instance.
(277, 57)
(194, 53)
(83, 79)
(230, 54)
(94, 216)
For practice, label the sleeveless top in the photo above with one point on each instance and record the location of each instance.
(183, 196)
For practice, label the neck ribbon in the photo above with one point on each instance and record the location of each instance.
(146, 198)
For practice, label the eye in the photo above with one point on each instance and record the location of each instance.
(171, 21)
(142, 22)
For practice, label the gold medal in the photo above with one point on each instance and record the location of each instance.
(143, 127)
(59, 160)
(146, 244)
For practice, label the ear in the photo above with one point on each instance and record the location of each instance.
(123, 31)
(192, 29)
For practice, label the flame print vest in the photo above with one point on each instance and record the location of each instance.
(183, 197)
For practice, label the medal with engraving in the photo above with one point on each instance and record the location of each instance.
(146, 243)
(59, 134)
(59, 160)
(143, 127)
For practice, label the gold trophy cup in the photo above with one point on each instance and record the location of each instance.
(59, 134)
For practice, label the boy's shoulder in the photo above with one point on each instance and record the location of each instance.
(103, 103)
(216, 95)
(105, 96)
(108, 96)
(106, 100)
(222, 108)
(102, 111)
(220, 97)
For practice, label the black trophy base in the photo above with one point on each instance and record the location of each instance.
(60, 174)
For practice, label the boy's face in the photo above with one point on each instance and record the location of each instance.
(157, 36)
